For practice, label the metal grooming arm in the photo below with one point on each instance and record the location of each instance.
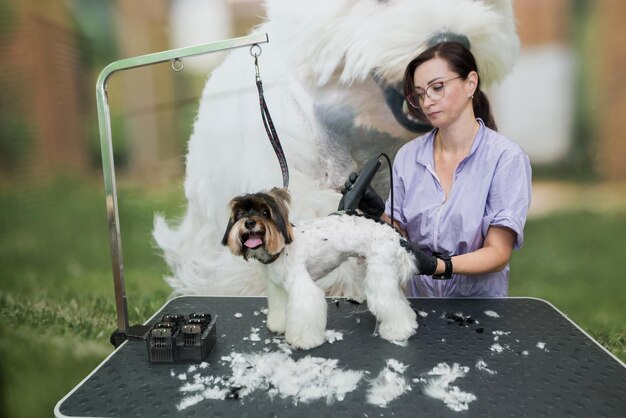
(108, 167)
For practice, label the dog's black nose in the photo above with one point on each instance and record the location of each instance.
(250, 223)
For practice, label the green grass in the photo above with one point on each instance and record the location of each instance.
(57, 301)
(56, 286)
(576, 261)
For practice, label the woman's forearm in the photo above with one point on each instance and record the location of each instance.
(492, 257)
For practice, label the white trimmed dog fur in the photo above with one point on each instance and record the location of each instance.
(295, 257)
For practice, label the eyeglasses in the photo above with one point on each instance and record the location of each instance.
(435, 91)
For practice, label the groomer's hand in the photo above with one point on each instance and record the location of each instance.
(371, 203)
(426, 264)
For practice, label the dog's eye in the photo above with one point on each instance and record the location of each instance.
(266, 213)
(239, 215)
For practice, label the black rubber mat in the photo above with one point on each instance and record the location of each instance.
(538, 363)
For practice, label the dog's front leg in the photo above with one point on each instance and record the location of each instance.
(306, 311)
(276, 307)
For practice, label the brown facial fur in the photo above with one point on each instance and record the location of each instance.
(270, 212)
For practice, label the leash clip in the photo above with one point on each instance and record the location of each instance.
(256, 53)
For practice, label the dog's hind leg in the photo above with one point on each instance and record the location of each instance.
(276, 307)
(386, 300)
(306, 312)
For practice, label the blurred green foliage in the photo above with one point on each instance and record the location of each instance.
(94, 22)
(15, 140)
(8, 16)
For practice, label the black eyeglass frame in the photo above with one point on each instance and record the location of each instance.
(416, 99)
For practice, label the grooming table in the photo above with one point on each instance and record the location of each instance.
(536, 363)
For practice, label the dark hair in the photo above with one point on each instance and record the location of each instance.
(462, 62)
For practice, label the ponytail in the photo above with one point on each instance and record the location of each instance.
(482, 109)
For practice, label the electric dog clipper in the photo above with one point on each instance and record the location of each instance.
(352, 197)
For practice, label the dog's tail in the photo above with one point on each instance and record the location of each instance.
(408, 263)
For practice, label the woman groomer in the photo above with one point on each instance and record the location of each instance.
(462, 191)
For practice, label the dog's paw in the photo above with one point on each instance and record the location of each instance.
(276, 323)
(305, 340)
(397, 330)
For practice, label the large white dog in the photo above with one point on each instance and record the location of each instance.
(332, 72)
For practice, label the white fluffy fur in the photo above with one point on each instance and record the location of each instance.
(350, 38)
(389, 384)
(320, 53)
(297, 306)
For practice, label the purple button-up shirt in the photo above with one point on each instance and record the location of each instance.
(491, 187)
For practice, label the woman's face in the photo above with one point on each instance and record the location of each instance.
(444, 95)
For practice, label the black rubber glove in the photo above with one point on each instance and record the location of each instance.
(426, 264)
(371, 203)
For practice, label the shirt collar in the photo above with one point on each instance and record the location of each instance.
(478, 139)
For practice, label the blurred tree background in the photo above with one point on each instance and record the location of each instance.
(56, 295)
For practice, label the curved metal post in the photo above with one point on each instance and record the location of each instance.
(106, 146)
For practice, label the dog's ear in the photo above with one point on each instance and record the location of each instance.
(228, 228)
(232, 205)
(281, 194)
(280, 212)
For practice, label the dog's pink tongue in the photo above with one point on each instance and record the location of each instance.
(253, 242)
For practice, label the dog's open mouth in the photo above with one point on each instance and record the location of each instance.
(252, 241)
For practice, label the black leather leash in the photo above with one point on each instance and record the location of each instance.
(267, 120)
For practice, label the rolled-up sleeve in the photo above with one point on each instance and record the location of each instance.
(509, 196)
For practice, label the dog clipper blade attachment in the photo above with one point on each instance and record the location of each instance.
(177, 339)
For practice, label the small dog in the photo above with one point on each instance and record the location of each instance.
(296, 256)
